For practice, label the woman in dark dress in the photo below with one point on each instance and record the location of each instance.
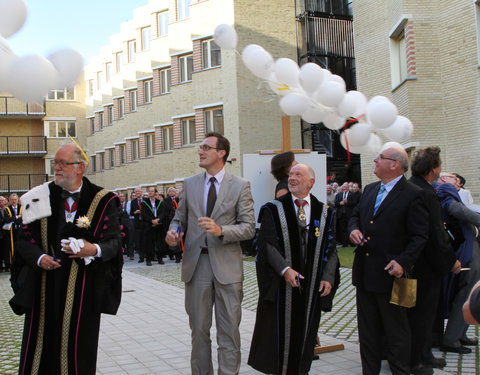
(280, 168)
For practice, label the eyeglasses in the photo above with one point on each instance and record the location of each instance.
(206, 147)
(381, 156)
(63, 163)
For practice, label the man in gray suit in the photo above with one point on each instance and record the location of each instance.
(217, 210)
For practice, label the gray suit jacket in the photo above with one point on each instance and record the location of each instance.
(233, 211)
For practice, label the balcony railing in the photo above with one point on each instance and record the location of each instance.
(18, 183)
(21, 146)
(10, 106)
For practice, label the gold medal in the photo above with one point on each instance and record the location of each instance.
(302, 216)
(317, 232)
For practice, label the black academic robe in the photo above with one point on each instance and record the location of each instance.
(269, 338)
(60, 337)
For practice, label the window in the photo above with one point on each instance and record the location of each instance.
(99, 80)
(119, 61)
(211, 54)
(167, 138)
(100, 120)
(121, 107)
(50, 167)
(93, 160)
(147, 90)
(131, 51)
(186, 68)
(183, 9)
(398, 57)
(162, 21)
(62, 94)
(213, 119)
(165, 80)
(146, 37)
(108, 72)
(90, 87)
(92, 125)
(188, 131)
(149, 144)
(134, 149)
(111, 154)
(133, 100)
(60, 129)
(102, 161)
(109, 110)
(123, 154)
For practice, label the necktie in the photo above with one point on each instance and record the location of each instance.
(302, 218)
(67, 194)
(212, 196)
(380, 195)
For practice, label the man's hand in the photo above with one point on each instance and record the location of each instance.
(394, 269)
(88, 250)
(155, 222)
(456, 267)
(291, 277)
(325, 288)
(172, 238)
(357, 238)
(209, 226)
(49, 263)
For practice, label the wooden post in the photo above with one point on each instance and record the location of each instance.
(286, 140)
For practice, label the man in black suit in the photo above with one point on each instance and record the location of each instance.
(135, 211)
(170, 205)
(152, 214)
(390, 227)
(436, 261)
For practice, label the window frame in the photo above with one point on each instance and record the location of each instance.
(135, 145)
(132, 49)
(118, 61)
(184, 63)
(207, 54)
(108, 72)
(121, 108)
(148, 90)
(146, 33)
(165, 80)
(183, 9)
(122, 148)
(167, 138)
(163, 19)
(149, 144)
(209, 120)
(187, 125)
(111, 153)
(133, 100)
(48, 123)
(65, 92)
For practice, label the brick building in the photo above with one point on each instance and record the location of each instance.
(425, 57)
(162, 82)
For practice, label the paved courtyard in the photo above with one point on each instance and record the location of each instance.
(150, 333)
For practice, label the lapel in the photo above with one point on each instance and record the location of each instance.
(224, 188)
(391, 197)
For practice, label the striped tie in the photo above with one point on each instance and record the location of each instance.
(380, 195)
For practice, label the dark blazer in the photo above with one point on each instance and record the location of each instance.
(438, 257)
(398, 231)
(134, 206)
(169, 209)
(148, 214)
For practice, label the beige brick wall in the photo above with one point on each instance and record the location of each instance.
(443, 101)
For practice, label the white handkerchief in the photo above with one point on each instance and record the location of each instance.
(76, 245)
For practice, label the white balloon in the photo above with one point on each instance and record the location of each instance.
(338, 79)
(328, 74)
(69, 64)
(348, 105)
(359, 134)
(31, 77)
(378, 99)
(260, 62)
(374, 143)
(293, 104)
(361, 100)
(311, 77)
(333, 122)
(381, 114)
(400, 130)
(225, 36)
(6, 57)
(12, 16)
(247, 53)
(312, 113)
(331, 93)
(345, 138)
(287, 72)
(276, 87)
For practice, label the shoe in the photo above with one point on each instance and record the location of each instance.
(469, 342)
(141, 260)
(422, 369)
(315, 357)
(132, 258)
(161, 261)
(149, 263)
(455, 349)
(177, 260)
(437, 362)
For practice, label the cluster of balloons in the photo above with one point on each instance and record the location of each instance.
(317, 96)
(29, 78)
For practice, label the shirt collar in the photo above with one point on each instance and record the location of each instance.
(306, 199)
(391, 184)
(219, 176)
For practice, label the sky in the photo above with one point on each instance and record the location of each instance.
(84, 25)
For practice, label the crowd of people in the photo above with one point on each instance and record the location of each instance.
(65, 250)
